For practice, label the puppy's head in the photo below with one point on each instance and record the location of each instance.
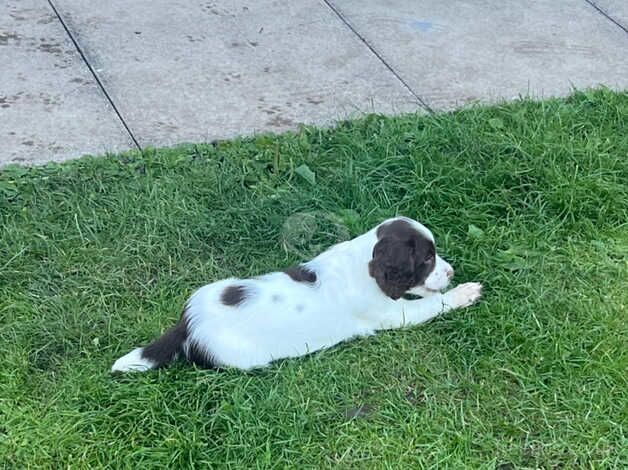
(405, 260)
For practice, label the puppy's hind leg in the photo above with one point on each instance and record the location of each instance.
(160, 352)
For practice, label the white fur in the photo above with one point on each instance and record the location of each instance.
(132, 361)
(281, 318)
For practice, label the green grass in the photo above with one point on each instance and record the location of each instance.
(531, 198)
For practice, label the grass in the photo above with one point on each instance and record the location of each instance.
(531, 198)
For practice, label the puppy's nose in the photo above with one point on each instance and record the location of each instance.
(450, 273)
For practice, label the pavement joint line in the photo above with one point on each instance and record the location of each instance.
(608, 17)
(342, 18)
(94, 74)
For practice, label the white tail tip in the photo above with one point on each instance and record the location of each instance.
(132, 362)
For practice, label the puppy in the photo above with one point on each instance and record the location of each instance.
(353, 289)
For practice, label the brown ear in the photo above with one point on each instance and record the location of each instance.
(392, 266)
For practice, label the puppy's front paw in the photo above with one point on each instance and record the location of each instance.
(464, 294)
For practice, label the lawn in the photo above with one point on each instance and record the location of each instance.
(97, 256)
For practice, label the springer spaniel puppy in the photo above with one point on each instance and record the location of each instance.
(353, 289)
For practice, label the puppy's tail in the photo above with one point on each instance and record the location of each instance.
(158, 353)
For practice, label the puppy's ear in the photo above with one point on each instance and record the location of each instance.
(392, 266)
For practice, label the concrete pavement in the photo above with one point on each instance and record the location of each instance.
(90, 77)
(51, 108)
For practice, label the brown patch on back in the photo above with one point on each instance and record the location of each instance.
(301, 274)
(233, 295)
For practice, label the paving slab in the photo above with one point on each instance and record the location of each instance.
(181, 70)
(50, 106)
(615, 9)
(455, 52)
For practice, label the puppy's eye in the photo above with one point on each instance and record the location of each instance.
(429, 258)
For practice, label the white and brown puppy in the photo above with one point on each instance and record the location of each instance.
(353, 289)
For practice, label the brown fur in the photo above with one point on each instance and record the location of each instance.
(233, 295)
(402, 258)
(301, 274)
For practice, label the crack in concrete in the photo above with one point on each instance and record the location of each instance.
(95, 75)
(379, 56)
(603, 12)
